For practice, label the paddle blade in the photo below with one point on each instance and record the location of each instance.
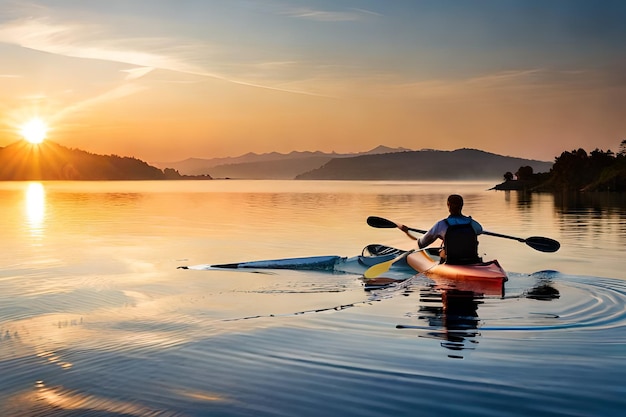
(380, 222)
(383, 267)
(543, 244)
(376, 270)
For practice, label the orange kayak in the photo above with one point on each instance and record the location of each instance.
(485, 278)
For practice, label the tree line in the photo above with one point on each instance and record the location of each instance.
(576, 170)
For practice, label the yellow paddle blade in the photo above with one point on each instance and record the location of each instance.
(376, 270)
(383, 267)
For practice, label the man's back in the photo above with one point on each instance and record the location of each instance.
(461, 244)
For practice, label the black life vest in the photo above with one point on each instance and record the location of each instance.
(461, 244)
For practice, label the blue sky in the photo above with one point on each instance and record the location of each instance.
(171, 79)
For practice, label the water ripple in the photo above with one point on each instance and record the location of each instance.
(553, 307)
(585, 303)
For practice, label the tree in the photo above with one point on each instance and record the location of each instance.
(508, 176)
(171, 174)
(524, 173)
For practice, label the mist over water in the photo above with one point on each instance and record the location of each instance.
(96, 319)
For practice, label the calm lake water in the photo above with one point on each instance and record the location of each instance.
(96, 319)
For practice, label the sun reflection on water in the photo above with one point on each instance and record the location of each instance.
(35, 207)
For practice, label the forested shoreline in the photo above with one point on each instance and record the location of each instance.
(576, 170)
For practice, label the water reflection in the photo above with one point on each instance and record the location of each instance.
(452, 313)
(58, 400)
(454, 316)
(543, 291)
(595, 201)
(589, 218)
(567, 202)
(35, 208)
(523, 198)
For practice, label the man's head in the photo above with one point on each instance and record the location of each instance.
(455, 204)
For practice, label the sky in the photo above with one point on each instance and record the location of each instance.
(164, 80)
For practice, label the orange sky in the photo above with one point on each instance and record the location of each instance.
(215, 78)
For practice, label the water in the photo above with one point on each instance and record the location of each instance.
(96, 319)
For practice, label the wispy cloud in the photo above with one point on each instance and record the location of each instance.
(135, 73)
(111, 95)
(90, 41)
(328, 16)
(529, 83)
(78, 40)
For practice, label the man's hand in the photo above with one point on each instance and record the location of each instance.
(405, 229)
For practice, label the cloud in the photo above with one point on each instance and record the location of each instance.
(525, 82)
(328, 16)
(90, 41)
(78, 41)
(114, 94)
(135, 73)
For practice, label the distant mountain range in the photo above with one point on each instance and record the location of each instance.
(461, 164)
(271, 165)
(381, 163)
(51, 161)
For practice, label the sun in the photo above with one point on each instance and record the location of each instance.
(34, 131)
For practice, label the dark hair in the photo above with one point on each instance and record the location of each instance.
(456, 202)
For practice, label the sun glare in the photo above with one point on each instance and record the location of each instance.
(34, 131)
(35, 206)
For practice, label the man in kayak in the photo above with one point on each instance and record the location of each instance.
(458, 233)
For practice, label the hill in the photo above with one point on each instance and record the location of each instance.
(461, 164)
(271, 165)
(51, 161)
(274, 170)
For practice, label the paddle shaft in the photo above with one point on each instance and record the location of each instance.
(540, 243)
(485, 232)
(519, 239)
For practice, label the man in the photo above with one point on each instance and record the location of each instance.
(458, 233)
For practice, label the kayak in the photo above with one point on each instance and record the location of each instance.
(484, 277)
(375, 253)
(314, 263)
(370, 255)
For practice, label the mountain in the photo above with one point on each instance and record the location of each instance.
(275, 170)
(461, 164)
(271, 165)
(51, 161)
(195, 166)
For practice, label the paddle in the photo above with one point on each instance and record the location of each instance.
(375, 270)
(542, 244)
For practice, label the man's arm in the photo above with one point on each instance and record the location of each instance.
(430, 236)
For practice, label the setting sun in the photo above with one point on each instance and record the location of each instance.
(34, 131)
